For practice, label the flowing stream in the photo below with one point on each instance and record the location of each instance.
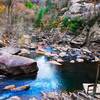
(48, 78)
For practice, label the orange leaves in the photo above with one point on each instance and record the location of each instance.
(2, 7)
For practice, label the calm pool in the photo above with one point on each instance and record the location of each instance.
(48, 78)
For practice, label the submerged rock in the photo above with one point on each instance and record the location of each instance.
(13, 65)
(9, 87)
(14, 98)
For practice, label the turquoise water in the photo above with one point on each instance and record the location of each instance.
(48, 78)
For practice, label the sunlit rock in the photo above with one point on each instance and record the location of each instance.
(12, 65)
(9, 87)
(72, 61)
(55, 62)
(60, 60)
(10, 50)
(97, 59)
(85, 49)
(62, 54)
(21, 88)
(32, 98)
(75, 8)
(79, 60)
(24, 52)
(14, 98)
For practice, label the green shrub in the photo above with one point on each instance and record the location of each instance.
(64, 22)
(39, 17)
(29, 5)
(41, 13)
(75, 24)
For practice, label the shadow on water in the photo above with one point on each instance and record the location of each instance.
(48, 78)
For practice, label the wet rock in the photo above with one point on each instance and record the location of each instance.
(72, 61)
(97, 59)
(62, 54)
(88, 57)
(66, 96)
(14, 98)
(60, 60)
(74, 96)
(80, 60)
(44, 95)
(21, 88)
(73, 55)
(55, 62)
(9, 87)
(83, 95)
(53, 95)
(33, 98)
(2, 76)
(12, 65)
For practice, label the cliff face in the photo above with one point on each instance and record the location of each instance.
(84, 9)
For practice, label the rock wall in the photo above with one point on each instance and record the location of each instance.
(84, 9)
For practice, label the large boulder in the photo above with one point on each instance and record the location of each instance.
(12, 65)
(10, 50)
(83, 9)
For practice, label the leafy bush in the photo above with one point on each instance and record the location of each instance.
(75, 24)
(71, 24)
(41, 13)
(39, 17)
(65, 22)
(29, 5)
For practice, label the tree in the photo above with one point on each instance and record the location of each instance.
(9, 33)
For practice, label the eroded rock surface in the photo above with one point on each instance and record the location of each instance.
(16, 65)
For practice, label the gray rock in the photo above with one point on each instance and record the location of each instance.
(24, 52)
(62, 54)
(75, 8)
(80, 60)
(10, 50)
(72, 61)
(17, 65)
(81, 8)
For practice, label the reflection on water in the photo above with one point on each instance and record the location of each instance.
(49, 78)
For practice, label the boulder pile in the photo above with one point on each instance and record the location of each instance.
(14, 65)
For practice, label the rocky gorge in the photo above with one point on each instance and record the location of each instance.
(69, 39)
